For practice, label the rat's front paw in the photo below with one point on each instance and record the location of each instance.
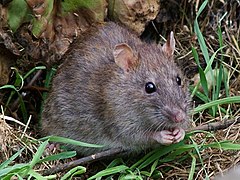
(167, 137)
(179, 134)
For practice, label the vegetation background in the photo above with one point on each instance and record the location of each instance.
(34, 34)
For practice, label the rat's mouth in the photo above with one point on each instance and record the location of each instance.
(163, 125)
(169, 124)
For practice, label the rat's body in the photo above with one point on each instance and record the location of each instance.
(117, 91)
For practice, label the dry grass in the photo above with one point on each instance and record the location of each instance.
(12, 139)
(13, 136)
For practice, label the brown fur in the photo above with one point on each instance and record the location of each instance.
(95, 101)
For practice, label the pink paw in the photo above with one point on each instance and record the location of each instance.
(167, 137)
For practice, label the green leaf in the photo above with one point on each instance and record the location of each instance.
(219, 77)
(209, 65)
(70, 141)
(130, 177)
(75, 171)
(7, 162)
(153, 167)
(199, 94)
(193, 167)
(225, 145)
(200, 37)
(8, 87)
(37, 156)
(197, 150)
(33, 70)
(203, 81)
(159, 153)
(16, 14)
(13, 169)
(227, 100)
(22, 105)
(96, 7)
(109, 171)
(19, 79)
(143, 159)
(63, 155)
(36, 175)
(196, 57)
(115, 162)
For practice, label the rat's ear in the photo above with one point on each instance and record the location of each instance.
(124, 57)
(169, 47)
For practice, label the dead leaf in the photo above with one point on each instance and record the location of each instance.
(46, 28)
(135, 14)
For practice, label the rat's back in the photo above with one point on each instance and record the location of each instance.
(77, 101)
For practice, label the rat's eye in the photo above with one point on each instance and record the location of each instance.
(179, 81)
(150, 87)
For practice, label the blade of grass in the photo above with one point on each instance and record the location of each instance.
(33, 70)
(116, 162)
(219, 74)
(38, 154)
(203, 82)
(225, 145)
(227, 100)
(75, 171)
(19, 79)
(153, 167)
(198, 154)
(36, 175)
(200, 37)
(220, 39)
(201, 73)
(161, 152)
(199, 94)
(109, 171)
(130, 177)
(22, 105)
(13, 169)
(208, 67)
(8, 161)
(193, 167)
(70, 141)
(143, 159)
(63, 155)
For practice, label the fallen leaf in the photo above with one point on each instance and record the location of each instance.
(135, 14)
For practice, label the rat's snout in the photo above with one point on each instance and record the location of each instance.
(178, 116)
(175, 115)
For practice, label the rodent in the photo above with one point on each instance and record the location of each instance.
(115, 90)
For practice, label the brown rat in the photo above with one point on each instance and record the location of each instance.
(118, 91)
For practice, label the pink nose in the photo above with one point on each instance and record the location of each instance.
(178, 116)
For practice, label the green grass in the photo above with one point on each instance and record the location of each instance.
(188, 151)
(143, 168)
(17, 86)
(216, 77)
(26, 170)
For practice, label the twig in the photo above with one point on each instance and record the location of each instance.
(84, 160)
(112, 152)
(216, 125)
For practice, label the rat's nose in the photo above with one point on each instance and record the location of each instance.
(178, 116)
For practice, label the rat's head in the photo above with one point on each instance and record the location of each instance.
(153, 85)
